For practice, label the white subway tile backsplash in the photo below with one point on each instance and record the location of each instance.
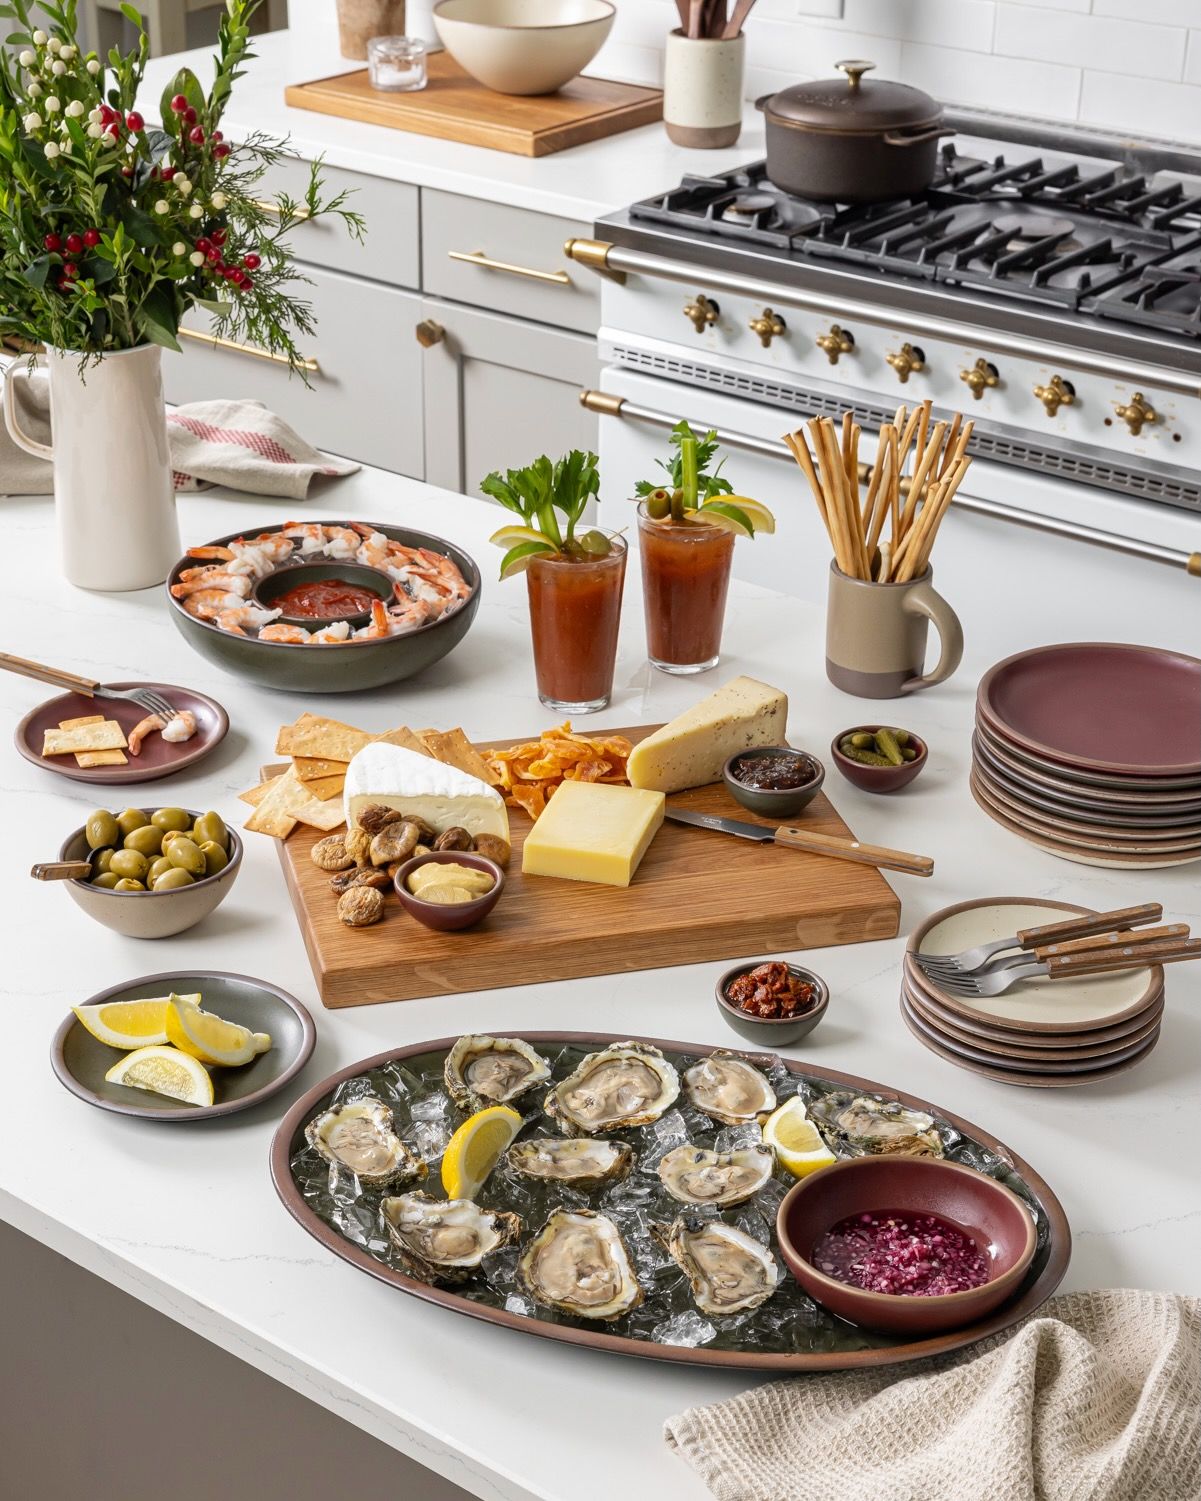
(1130, 65)
(1091, 42)
(980, 80)
(1141, 106)
(1162, 12)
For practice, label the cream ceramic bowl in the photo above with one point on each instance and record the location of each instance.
(523, 46)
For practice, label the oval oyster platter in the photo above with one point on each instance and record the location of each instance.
(631, 1198)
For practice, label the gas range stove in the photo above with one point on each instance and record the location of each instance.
(1047, 283)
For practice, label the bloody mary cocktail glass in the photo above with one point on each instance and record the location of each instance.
(575, 609)
(685, 576)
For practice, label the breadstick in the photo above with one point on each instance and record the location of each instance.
(843, 552)
(947, 452)
(923, 460)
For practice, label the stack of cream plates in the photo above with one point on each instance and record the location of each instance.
(1044, 1034)
(1092, 751)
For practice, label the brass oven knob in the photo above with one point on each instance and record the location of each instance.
(837, 342)
(1137, 413)
(981, 374)
(1055, 394)
(429, 333)
(906, 360)
(701, 312)
(767, 326)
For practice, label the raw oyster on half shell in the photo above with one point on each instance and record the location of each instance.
(360, 1137)
(583, 1161)
(696, 1175)
(627, 1084)
(579, 1264)
(877, 1127)
(445, 1240)
(729, 1089)
(482, 1071)
(727, 1269)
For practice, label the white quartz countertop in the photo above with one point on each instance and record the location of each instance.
(580, 183)
(184, 1216)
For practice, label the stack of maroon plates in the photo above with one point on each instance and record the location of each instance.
(1092, 750)
(1041, 1034)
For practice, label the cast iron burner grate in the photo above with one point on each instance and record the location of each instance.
(1068, 235)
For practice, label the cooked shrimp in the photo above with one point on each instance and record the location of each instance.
(293, 635)
(211, 578)
(380, 626)
(237, 616)
(143, 728)
(341, 543)
(208, 604)
(310, 536)
(181, 727)
(374, 549)
(339, 631)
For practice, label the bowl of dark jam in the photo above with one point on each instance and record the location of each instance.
(773, 780)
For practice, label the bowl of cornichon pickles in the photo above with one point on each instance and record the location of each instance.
(155, 871)
(879, 758)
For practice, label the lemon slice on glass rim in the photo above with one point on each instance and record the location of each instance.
(796, 1141)
(476, 1148)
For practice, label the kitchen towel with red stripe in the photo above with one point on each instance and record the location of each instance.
(240, 444)
(1097, 1397)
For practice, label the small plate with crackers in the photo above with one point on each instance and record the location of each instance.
(87, 736)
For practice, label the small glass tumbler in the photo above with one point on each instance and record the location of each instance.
(396, 63)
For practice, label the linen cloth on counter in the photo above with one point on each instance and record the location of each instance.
(241, 444)
(1097, 1397)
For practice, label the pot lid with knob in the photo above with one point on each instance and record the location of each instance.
(853, 106)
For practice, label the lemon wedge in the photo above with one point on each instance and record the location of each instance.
(764, 521)
(129, 1024)
(164, 1071)
(797, 1142)
(509, 536)
(209, 1039)
(475, 1149)
(711, 516)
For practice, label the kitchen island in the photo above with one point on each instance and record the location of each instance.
(184, 1219)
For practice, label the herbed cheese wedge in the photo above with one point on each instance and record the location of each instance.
(691, 749)
(443, 795)
(593, 831)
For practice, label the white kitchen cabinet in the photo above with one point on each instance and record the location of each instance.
(499, 391)
(364, 396)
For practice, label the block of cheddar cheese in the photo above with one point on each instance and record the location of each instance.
(691, 749)
(593, 831)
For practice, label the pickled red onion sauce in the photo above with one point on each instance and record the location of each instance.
(899, 1252)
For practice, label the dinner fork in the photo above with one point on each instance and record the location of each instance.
(1071, 966)
(145, 698)
(1082, 925)
(1130, 938)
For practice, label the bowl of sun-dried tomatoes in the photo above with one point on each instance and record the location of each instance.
(772, 1003)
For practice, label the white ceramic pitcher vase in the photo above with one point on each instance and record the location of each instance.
(113, 494)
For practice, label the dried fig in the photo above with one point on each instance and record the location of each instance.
(453, 839)
(396, 841)
(360, 906)
(375, 816)
(345, 879)
(358, 845)
(493, 847)
(331, 853)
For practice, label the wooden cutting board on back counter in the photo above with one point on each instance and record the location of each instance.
(697, 896)
(454, 107)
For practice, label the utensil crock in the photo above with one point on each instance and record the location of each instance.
(876, 635)
(702, 89)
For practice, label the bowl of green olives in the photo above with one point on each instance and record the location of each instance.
(155, 871)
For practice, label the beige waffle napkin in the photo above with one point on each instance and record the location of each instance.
(240, 444)
(1095, 1398)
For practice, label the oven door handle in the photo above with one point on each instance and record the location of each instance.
(618, 261)
(605, 404)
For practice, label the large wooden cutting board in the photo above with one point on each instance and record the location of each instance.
(454, 107)
(697, 896)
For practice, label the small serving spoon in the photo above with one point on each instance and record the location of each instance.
(65, 870)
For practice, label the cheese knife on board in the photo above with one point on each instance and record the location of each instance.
(811, 843)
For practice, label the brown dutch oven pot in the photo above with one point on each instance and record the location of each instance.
(855, 142)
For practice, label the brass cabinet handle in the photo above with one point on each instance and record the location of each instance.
(837, 342)
(1055, 394)
(429, 333)
(701, 312)
(982, 374)
(486, 263)
(906, 361)
(1137, 413)
(253, 350)
(269, 206)
(767, 326)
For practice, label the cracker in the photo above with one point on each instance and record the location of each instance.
(256, 795)
(325, 788)
(453, 748)
(107, 735)
(287, 803)
(406, 739)
(326, 737)
(75, 724)
(315, 768)
(270, 815)
(101, 758)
